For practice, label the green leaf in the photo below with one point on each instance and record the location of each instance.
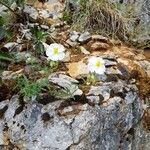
(39, 48)
(5, 56)
(30, 88)
(2, 21)
(38, 34)
(7, 2)
(2, 33)
(20, 3)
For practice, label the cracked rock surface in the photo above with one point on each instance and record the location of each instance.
(103, 116)
(88, 125)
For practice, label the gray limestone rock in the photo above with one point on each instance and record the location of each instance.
(74, 37)
(33, 13)
(67, 83)
(84, 37)
(104, 121)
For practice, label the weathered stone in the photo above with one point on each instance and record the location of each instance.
(109, 62)
(112, 70)
(74, 37)
(71, 43)
(33, 13)
(77, 126)
(145, 65)
(76, 69)
(84, 51)
(45, 27)
(53, 7)
(100, 38)
(67, 57)
(84, 37)
(9, 75)
(139, 57)
(10, 45)
(50, 21)
(99, 46)
(101, 90)
(22, 56)
(59, 78)
(66, 82)
(44, 14)
(141, 143)
(74, 33)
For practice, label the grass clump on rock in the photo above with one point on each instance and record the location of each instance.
(99, 16)
(117, 20)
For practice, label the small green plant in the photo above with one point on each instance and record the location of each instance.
(5, 56)
(45, 68)
(7, 2)
(67, 92)
(4, 59)
(28, 88)
(4, 23)
(20, 3)
(53, 65)
(67, 16)
(77, 50)
(91, 79)
(39, 36)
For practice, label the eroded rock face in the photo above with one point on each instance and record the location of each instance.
(101, 120)
(50, 10)
(106, 116)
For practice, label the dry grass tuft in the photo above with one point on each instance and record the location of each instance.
(114, 20)
(99, 16)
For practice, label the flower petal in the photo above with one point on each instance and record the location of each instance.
(93, 67)
(61, 56)
(100, 70)
(92, 60)
(53, 57)
(60, 47)
(46, 46)
(49, 52)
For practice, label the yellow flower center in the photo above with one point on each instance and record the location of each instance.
(55, 51)
(98, 63)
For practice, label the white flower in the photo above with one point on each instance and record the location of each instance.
(96, 64)
(55, 51)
